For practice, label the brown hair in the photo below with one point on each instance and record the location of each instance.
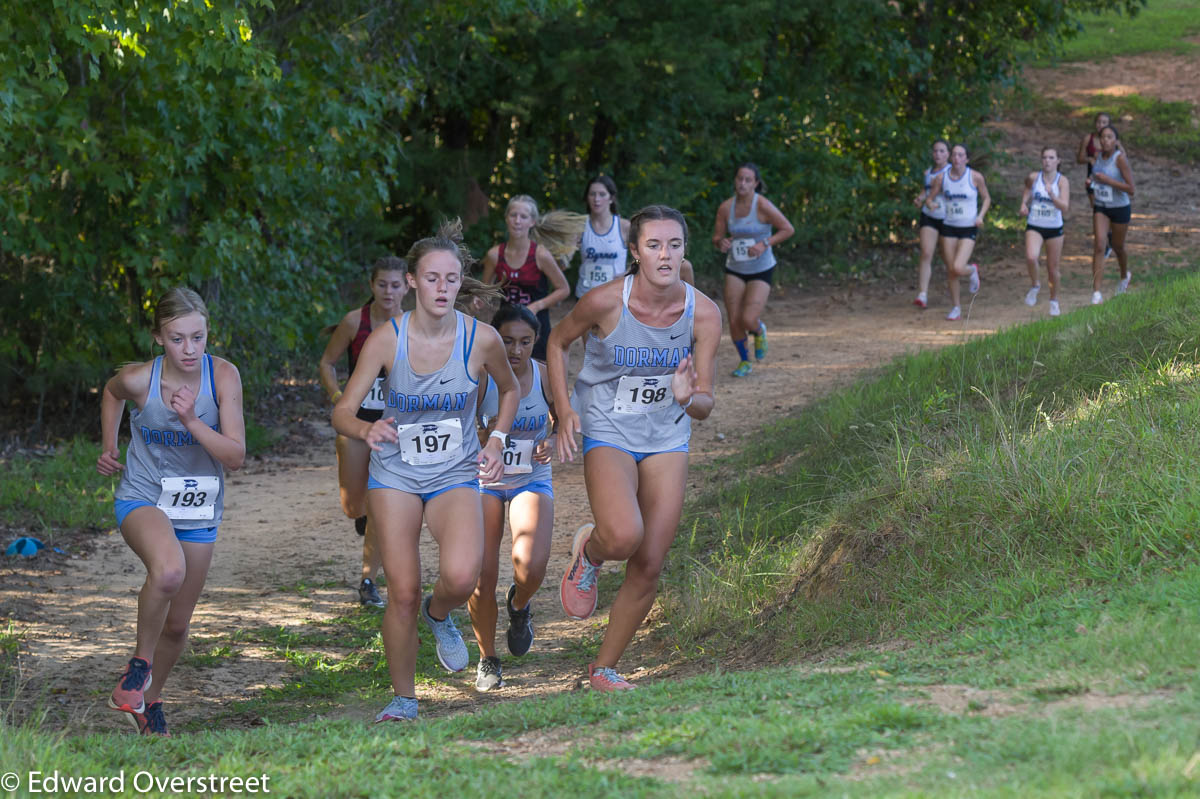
(448, 238)
(609, 185)
(177, 302)
(652, 213)
(388, 263)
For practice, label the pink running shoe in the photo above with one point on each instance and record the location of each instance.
(604, 678)
(920, 301)
(129, 695)
(578, 591)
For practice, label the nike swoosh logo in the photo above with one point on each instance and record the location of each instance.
(530, 407)
(677, 335)
(444, 382)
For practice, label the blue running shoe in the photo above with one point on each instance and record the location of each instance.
(743, 370)
(401, 708)
(760, 342)
(451, 651)
(152, 722)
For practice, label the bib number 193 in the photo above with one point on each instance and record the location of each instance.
(189, 497)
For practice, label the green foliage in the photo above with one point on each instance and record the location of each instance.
(1163, 25)
(58, 488)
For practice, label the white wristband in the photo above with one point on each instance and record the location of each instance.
(689, 402)
(497, 434)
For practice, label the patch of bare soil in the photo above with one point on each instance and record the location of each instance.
(284, 526)
(1167, 76)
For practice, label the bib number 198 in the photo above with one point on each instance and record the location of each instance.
(643, 394)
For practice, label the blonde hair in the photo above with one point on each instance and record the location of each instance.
(557, 231)
(177, 302)
(449, 238)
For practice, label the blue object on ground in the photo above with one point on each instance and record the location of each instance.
(25, 546)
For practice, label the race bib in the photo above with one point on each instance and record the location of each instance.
(430, 442)
(597, 275)
(741, 250)
(189, 497)
(956, 212)
(518, 456)
(1042, 212)
(376, 397)
(1102, 191)
(643, 394)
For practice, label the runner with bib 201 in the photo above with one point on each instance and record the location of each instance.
(187, 429)
(1046, 199)
(425, 458)
(651, 341)
(748, 225)
(964, 194)
(389, 284)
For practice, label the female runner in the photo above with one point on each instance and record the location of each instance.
(1089, 145)
(523, 266)
(602, 253)
(743, 232)
(425, 458)
(187, 428)
(1045, 201)
(388, 287)
(527, 489)
(1112, 188)
(966, 199)
(930, 225)
(647, 372)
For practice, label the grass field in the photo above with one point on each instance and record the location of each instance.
(1162, 25)
(976, 574)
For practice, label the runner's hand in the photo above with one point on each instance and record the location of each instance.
(683, 382)
(1024, 209)
(568, 426)
(545, 448)
(381, 430)
(758, 249)
(183, 402)
(725, 245)
(491, 463)
(109, 462)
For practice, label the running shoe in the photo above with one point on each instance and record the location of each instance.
(1031, 296)
(1097, 298)
(760, 341)
(487, 675)
(152, 722)
(1054, 308)
(954, 315)
(451, 651)
(368, 594)
(1123, 283)
(401, 708)
(578, 592)
(520, 625)
(973, 280)
(603, 678)
(129, 695)
(744, 369)
(922, 301)
(1108, 250)
(360, 525)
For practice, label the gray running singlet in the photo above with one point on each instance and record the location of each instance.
(602, 257)
(530, 427)
(435, 417)
(623, 392)
(162, 449)
(746, 231)
(1107, 196)
(1042, 210)
(939, 204)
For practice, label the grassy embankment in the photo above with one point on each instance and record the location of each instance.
(998, 538)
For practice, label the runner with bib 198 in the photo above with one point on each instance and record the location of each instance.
(1046, 199)
(964, 194)
(651, 341)
(425, 457)
(527, 490)
(187, 429)
(389, 284)
(743, 231)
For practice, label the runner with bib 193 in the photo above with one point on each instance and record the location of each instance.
(651, 341)
(187, 429)
(389, 284)
(425, 458)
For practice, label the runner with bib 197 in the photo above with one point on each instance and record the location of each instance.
(425, 458)
(187, 429)
(651, 342)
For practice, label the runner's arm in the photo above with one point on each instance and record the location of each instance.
(494, 360)
(981, 187)
(336, 347)
(707, 330)
(129, 384)
(1027, 195)
(229, 445)
(377, 353)
(720, 237)
(1063, 201)
(549, 267)
(935, 191)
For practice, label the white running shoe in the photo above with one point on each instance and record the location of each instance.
(1123, 283)
(1031, 296)
(973, 283)
(954, 315)
(1097, 298)
(1054, 308)
(921, 301)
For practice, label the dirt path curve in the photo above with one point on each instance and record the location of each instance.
(287, 555)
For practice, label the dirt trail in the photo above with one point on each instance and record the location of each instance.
(284, 529)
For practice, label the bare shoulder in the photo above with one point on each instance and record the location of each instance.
(225, 370)
(132, 380)
(707, 311)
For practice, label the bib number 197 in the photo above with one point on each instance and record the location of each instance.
(432, 442)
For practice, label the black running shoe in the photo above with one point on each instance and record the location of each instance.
(487, 675)
(152, 722)
(520, 625)
(368, 594)
(360, 525)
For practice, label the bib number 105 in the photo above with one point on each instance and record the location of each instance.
(643, 394)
